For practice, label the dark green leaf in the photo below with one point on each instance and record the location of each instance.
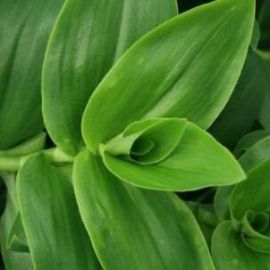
(241, 112)
(230, 253)
(256, 154)
(250, 205)
(24, 30)
(12, 260)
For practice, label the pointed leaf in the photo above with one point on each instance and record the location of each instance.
(197, 161)
(241, 112)
(88, 38)
(185, 68)
(25, 28)
(127, 225)
(54, 231)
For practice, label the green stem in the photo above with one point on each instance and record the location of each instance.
(10, 163)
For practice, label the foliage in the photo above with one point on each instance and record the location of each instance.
(133, 137)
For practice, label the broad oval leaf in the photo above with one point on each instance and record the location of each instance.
(230, 253)
(88, 38)
(54, 231)
(127, 225)
(197, 161)
(25, 28)
(184, 68)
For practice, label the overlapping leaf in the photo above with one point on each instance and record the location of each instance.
(25, 28)
(88, 38)
(244, 242)
(12, 260)
(132, 228)
(184, 68)
(54, 231)
(182, 156)
(240, 113)
(230, 253)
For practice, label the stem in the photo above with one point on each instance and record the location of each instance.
(9, 163)
(13, 163)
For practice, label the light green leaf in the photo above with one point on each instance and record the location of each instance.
(53, 228)
(88, 38)
(256, 154)
(230, 253)
(148, 141)
(250, 208)
(127, 225)
(184, 68)
(12, 260)
(196, 161)
(24, 30)
(242, 110)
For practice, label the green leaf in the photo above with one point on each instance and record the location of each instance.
(196, 161)
(230, 253)
(264, 19)
(53, 228)
(249, 206)
(264, 116)
(127, 225)
(27, 147)
(256, 154)
(87, 40)
(241, 112)
(17, 239)
(12, 260)
(249, 140)
(148, 141)
(221, 202)
(184, 68)
(25, 28)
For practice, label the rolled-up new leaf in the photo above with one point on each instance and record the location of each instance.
(250, 208)
(243, 243)
(169, 154)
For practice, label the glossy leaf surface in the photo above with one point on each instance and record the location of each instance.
(55, 234)
(196, 161)
(184, 68)
(127, 225)
(88, 38)
(25, 28)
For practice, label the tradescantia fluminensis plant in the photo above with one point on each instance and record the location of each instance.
(133, 137)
